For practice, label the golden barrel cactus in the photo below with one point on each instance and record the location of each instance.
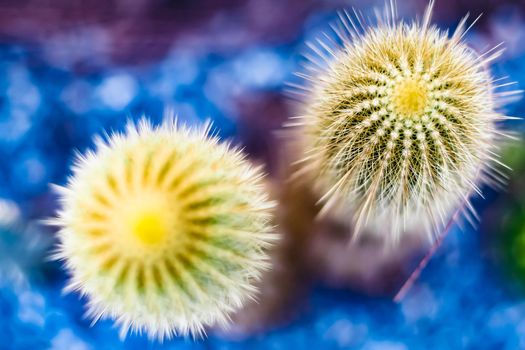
(399, 122)
(164, 229)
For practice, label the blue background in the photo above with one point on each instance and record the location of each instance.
(70, 70)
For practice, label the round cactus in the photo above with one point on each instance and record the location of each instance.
(164, 229)
(399, 122)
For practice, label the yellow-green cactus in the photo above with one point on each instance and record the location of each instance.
(164, 229)
(399, 122)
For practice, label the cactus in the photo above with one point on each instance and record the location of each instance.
(399, 123)
(164, 229)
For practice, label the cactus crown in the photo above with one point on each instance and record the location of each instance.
(399, 121)
(164, 229)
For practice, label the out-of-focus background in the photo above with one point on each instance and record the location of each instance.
(72, 69)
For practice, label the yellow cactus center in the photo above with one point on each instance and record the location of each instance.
(146, 224)
(149, 227)
(410, 97)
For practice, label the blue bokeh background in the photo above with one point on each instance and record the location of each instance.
(70, 70)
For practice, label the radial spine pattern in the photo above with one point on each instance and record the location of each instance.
(164, 229)
(399, 122)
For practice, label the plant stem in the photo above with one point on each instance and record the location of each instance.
(424, 262)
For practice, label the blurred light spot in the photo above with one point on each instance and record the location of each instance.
(419, 303)
(177, 70)
(384, 345)
(29, 172)
(32, 308)
(506, 315)
(11, 274)
(221, 89)
(260, 69)
(66, 339)
(22, 100)
(77, 96)
(346, 334)
(16, 123)
(21, 92)
(180, 67)
(117, 91)
(9, 213)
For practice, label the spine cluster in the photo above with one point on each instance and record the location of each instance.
(164, 229)
(400, 122)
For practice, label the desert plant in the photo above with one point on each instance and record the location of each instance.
(399, 122)
(164, 229)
